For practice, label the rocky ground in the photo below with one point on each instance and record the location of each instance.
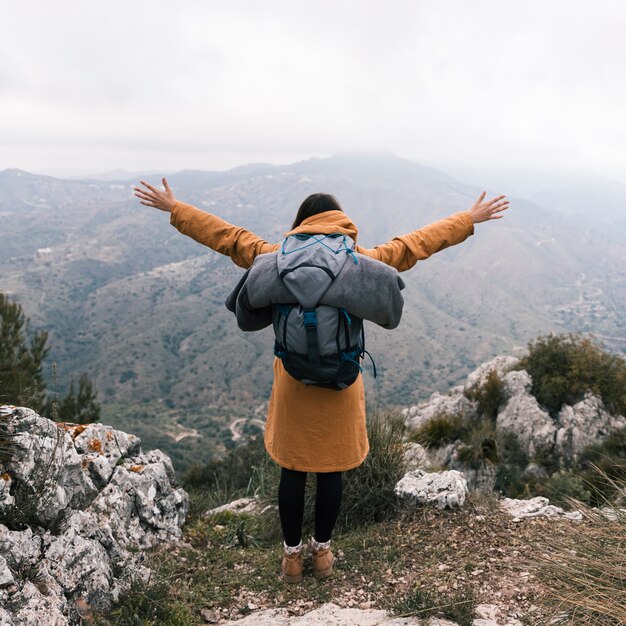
(432, 562)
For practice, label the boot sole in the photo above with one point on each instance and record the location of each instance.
(292, 579)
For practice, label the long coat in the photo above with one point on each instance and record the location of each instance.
(312, 429)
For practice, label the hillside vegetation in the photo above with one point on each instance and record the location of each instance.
(139, 307)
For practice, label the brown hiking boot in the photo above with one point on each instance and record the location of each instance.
(292, 567)
(323, 561)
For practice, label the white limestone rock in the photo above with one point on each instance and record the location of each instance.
(416, 457)
(330, 614)
(500, 364)
(6, 499)
(140, 505)
(517, 382)
(480, 479)
(535, 471)
(20, 547)
(453, 403)
(446, 455)
(102, 447)
(46, 468)
(585, 423)
(612, 513)
(488, 615)
(536, 507)
(444, 489)
(31, 606)
(534, 427)
(81, 524)
(240, 506)
(6, 575)
(5, 618)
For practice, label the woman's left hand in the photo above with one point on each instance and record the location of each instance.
(483, 211)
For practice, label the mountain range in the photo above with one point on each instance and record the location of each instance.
(140, 307)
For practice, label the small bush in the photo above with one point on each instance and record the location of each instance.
(147, 603)
(563, 486)
(603, 465)
(232, 473)
(369, 489)
(480, 445)
(489, 396)
(551, 461)
(458, 606)
(440, 430)
(512, 462)
(564, 367)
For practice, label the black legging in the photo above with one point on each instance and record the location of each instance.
(291, 504)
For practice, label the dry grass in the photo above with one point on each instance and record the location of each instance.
(584, 573)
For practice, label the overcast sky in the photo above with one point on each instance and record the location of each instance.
(203, 84)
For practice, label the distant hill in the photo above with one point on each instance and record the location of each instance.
(139, 307)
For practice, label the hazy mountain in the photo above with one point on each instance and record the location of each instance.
(139, 307)
(586, 194)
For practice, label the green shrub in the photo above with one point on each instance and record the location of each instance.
(368, 494)
(603, 465)
(564, 367)
(480, 445)
(440, 430)
(511, 464)
(231, 473)
(563, 486)
(551, 461)
(458, 606)
(146, 604)
(489, 396)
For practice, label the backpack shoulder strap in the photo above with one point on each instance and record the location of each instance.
(312, 341)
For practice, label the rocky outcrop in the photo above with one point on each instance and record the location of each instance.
(522, 416)
(501, 365)
(439, 405)
(539, 434)
(584, 423)
(78, 503)
(444, 489)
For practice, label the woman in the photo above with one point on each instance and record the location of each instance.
(312, 429)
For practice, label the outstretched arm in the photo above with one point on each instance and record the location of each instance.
(405, 251)
(241, 245)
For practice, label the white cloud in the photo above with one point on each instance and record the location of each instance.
(151, 84)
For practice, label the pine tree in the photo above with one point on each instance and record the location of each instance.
(81, 407)
(21, 377)
(21, 372)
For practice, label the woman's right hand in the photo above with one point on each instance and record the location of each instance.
(163, 200)
(484, 211)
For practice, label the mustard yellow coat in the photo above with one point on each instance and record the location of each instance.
(312, 429)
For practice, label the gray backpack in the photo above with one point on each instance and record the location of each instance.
(319, 345)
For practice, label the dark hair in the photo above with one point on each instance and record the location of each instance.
(314, 204)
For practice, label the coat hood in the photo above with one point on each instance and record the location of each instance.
(326, 223)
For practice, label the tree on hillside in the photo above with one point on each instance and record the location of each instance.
(21, 377)
(21, 371)
(79, 407)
